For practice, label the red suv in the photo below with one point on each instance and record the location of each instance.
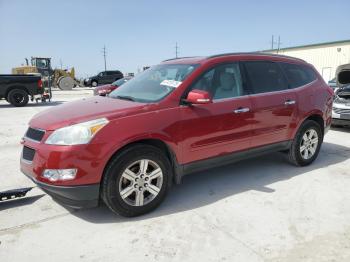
(178, 117)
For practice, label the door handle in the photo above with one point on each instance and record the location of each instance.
(241, 110)
(289, 102)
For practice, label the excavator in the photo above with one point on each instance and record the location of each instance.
(63, 79)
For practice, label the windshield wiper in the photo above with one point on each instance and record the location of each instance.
(129, 98)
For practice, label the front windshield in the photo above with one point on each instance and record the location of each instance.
(153, 84)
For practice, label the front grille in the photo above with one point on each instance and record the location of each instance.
(341, 110)
(35, 134)
(28, 153)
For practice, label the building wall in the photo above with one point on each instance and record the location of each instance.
(326, 58)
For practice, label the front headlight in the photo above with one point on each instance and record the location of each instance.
(76, 134)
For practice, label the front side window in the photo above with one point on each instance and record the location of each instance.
(223, 81)
(154, 84)
(298, 75)
(265, 76)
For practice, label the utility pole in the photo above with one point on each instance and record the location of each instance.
(176, 50)
(273, 42)
(104, 56)
(61, 63)
(278, 44)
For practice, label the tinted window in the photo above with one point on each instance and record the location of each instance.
(221, 82)
(298, 75)
(265, 77)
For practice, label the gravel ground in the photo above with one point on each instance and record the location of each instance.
(261, 209)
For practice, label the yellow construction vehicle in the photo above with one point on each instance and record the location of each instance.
(63, 79)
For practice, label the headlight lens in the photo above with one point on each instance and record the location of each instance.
(77, 134)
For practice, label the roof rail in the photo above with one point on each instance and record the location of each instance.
(179, 58)
(255, 53)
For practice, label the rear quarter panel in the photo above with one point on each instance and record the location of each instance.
(315, 98)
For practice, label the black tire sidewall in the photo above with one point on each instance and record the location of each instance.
(110, 190)
(309, 124)
(12, 101)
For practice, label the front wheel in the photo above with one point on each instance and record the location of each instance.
(306, 144)
(94, 83)
(136, 181)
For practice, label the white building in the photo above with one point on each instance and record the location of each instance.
(326, 57)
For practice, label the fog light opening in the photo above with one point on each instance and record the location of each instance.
(59, 174)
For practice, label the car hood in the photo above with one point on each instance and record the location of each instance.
(85, 110)
(104, 87)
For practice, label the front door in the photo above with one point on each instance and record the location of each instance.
(223, 126)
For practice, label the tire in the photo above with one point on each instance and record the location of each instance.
(304, 149)
(94, 83)
(125, 176)
(18, 97)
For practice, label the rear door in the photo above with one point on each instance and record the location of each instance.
(221, 127)
(111, 76)
(274, 105)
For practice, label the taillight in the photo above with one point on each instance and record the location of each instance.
(40, 83)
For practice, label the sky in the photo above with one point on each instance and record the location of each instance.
(141, 33)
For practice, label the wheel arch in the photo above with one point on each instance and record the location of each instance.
(9, 89)
(158, 143)
(315, 116)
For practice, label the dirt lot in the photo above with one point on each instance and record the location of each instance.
(261, 209)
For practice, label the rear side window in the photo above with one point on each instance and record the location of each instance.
(298, 75)
(265, 76)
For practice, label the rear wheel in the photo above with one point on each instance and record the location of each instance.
(306, 144)
(136, 181)
(18, 97)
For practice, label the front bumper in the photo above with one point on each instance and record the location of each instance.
(87, 82)
(84, 196)
(340, 122)
(83, 191)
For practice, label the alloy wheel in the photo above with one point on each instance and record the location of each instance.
(308, 144)
(141, 182)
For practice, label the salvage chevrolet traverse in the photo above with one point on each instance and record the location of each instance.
(178, 117)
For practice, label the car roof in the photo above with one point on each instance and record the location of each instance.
(255, 55)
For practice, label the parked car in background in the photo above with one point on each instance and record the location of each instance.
(332, 83)
(18, 89)
(178, 117)
(105, 77)
(106, 89)
(341, 107)
(341, 104)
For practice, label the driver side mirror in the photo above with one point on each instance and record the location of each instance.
(198, 97)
